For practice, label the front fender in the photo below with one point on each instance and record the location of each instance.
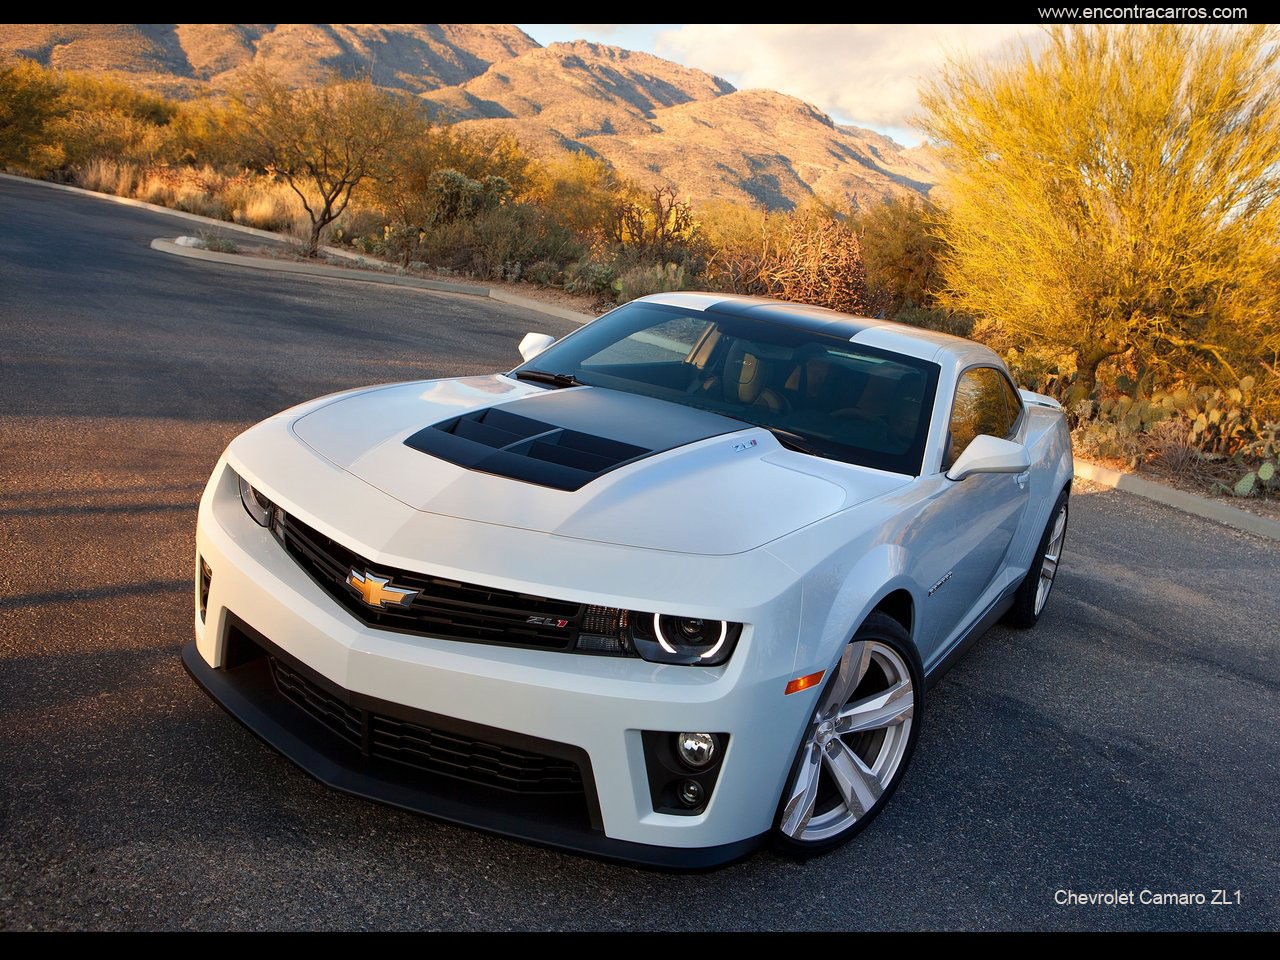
(836, 606)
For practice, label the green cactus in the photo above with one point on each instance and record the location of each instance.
(1244, 486)
(1264, 479)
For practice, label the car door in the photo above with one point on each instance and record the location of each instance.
(973, 520)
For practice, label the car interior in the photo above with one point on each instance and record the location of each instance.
(813, 387)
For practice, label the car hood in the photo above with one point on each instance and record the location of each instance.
(630, 470)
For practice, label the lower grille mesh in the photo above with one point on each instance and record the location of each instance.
(425, 748)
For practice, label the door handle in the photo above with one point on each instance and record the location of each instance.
(1022, 478)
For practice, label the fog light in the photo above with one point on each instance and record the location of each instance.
(691, 793)
(696, 749)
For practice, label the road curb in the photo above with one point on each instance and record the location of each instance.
(312, 269)
(502, 296)
(1178, 499)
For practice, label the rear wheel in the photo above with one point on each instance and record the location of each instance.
(858, 742)
(1029, 602)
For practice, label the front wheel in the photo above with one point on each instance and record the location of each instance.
(858, 742)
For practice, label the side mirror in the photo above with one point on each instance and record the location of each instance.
(534, 343)
(986, 454)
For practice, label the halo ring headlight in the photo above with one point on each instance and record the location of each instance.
(669, 648)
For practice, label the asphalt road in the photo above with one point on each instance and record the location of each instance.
(1127, 743)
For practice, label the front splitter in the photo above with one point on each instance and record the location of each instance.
(250, 697)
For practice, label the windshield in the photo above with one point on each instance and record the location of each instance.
(820, 394)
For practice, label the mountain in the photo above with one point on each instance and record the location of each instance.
(181, 59)
(656, 121)
(766, 147)
(659, 122)
(579, 89)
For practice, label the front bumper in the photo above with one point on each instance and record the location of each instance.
(249, 694)
(594, 706)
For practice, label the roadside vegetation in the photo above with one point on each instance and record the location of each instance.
(1110, 225)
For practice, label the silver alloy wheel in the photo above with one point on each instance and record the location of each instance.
(854, 745)
(1052, 554)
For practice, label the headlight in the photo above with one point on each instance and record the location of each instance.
(689, 640)
(257, 506)
(657, 637)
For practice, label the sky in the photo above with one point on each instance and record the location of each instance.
(864, 74)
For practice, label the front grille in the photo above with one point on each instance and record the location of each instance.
(429, 749)
(442, 608)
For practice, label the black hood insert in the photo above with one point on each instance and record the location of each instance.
(566, 438)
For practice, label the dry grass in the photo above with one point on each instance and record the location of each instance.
(254, 200)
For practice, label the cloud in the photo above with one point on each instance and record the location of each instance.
(598, 29)
(866, 73)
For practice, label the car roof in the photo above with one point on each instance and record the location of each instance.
(912, 341)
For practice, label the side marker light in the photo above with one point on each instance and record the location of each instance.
(804, 683)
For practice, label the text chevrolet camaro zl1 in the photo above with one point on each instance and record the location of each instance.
(672, 587)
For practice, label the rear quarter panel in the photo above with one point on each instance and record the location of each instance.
(1048, 442)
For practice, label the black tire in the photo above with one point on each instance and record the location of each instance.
(1023, 614)
(884, 629)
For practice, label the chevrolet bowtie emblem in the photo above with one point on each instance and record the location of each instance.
(376, 591)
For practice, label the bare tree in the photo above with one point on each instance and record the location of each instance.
(324, 142)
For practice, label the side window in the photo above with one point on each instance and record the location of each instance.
(981, 407)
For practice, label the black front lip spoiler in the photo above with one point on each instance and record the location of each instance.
(285, 729)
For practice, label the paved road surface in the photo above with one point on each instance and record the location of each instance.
(1128, 743)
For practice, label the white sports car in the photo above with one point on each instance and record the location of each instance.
(672, 588)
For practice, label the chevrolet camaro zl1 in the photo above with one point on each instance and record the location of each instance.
(673, 587)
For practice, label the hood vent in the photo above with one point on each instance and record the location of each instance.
(522, 448)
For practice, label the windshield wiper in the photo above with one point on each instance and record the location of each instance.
(546, 376)
(794, 441)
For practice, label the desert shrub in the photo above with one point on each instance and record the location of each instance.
(1168, 447)
(218, 242)
(653, 226)
(547, 273)
(498, 243)
(358, 222)
(578, 191)
(655, 278)
(455, 196)
(399, 242)
(806, 257)
(903, 254)
(31, 100)
(590, 277)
